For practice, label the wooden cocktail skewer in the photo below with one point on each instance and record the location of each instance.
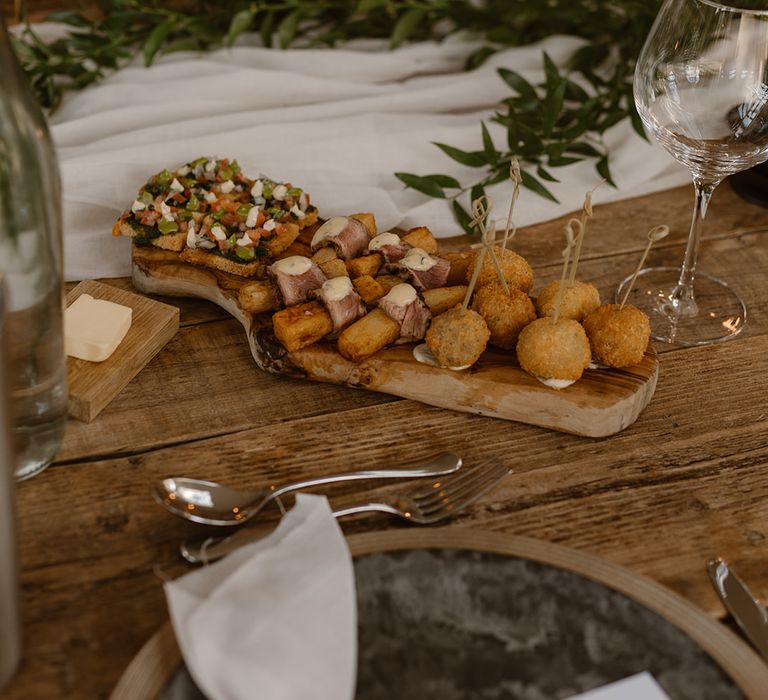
(570, 241)
(586, 215)
(516, 177)
(481, 209)
(655, 234)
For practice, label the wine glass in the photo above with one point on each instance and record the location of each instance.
(700, 89)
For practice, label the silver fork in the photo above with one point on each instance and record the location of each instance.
(444, 498)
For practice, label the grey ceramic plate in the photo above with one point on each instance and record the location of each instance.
(453, 624)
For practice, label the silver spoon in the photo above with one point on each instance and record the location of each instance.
(210, 503)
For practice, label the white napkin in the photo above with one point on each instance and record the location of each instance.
(337, 122)
(641, 686)
(276, 619)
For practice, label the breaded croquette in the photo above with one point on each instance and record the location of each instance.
(554, 351)
(505, 314)
(457, 338)
(618, 336)
(578, 301)
(515, 268)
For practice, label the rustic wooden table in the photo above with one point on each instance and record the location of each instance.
(687, 481)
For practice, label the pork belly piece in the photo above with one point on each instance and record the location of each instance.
(422, 270)
(296, 277)
(389, 245)
(345, 233)
(402, 304)
(342, 302)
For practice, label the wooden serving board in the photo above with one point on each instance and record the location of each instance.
(603, 402)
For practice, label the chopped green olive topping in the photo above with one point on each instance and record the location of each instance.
(216, 216)
(295, 192)
(243, 210)
(163, 178)
(193, 204)
(268, 187)
(198, 161)
(145, 197)
(232, 240)
(225, 173)
(167, 226)
(245, 253)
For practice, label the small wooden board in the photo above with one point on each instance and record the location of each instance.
(601, 403)
(92, 385)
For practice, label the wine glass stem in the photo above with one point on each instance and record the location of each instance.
(682, 299)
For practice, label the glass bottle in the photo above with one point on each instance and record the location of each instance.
(10, 647)
(31, 261)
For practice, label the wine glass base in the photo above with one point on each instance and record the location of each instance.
(717, 315)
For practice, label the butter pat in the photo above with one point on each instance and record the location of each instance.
(93, 328)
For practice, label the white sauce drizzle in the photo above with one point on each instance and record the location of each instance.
(383, 239)
(401, 295)
(293, 265)
(556, 383)
(337, 288)
(333, 227)
(418, 259)
(423, 354)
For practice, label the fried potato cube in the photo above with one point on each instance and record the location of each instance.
(296, 248)
(301, 325)
(368, 335)
(334, 268)
(388, 281)
(368, 288)
(460, 262)
(282, 240)
(368, 220)
(257, 297)
(324, 255)
(443, 298)
(364, 265)
(421, 237)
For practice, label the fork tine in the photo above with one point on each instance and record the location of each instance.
(454, 480)
(457, 494)
(466, 478)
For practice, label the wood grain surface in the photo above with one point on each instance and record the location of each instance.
(92, 385)
(688, 480)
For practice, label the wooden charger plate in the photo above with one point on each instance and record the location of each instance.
(603, 402)
(722, 655)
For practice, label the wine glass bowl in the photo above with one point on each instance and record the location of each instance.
(701, 91)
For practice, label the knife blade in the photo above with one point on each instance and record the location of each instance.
(749, 614)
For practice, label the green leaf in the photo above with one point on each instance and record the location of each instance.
(491, 154)
(405, 26)
(462, 217)
(265, 30)
(365, 6)
(551, 109)
(518, 83)
(604, 171)
(74, 19)
(286, 30)
(238, 24)
(530, 182)
(552, 73)
(574, 91)
(583, 149)
(477, 58)
(561, 161)
(473, 159)
(637, 124)
(443, 180)
(156, 38)
(421, 184)
(477, 191)
(545, 175)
